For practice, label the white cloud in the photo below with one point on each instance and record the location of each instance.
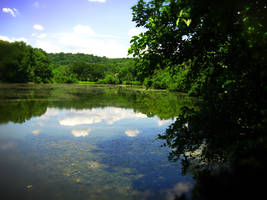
(47, 46)
(39, 36)
(134, 31)
(100, 1)
(132, 133)
(78, 44)
(83, 30)
(36, 132)
(107, 115)
(81, 133)
(5, 38)
(38, 27)
(12, 12)
(82, 39)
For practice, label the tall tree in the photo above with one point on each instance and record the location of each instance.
(41, 66)
(21, 63)
(222, 44)
(14, 64)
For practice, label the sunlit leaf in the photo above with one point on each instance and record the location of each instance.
(188, 22)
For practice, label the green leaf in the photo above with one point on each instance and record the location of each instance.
(177, 22)
(250, 28)
(188, 22)
(181, 13)
(245, 19)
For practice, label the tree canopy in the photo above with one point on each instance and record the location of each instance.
(219, 47)
(70, 67)
(21, 63)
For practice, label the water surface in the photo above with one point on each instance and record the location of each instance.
(87, 142)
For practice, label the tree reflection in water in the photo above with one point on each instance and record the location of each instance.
(227, 162)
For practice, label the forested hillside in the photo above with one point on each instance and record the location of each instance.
(69, 67)
(67, 58)
(20, 63)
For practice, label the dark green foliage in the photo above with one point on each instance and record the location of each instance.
(173, 79)
(63, 74)
(14, 62)
(19, 112)
(22, 63)
(68, 58)
(88, 71)
(222, 45)
(109, 79)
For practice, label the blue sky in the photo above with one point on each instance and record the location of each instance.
(99, 27)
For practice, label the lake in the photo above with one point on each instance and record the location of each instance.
(87, 142)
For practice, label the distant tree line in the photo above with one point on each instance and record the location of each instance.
(69, 67)
(21, 63)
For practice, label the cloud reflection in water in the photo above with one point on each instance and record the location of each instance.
(108, 115)
(36, 132)
(81, 133)
(163, 122)
(181, 188)
(50, 112)
(132, 133)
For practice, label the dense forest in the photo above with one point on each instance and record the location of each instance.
(69, 67)
(20, 63)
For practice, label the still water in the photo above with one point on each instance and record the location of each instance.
(87, 142)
